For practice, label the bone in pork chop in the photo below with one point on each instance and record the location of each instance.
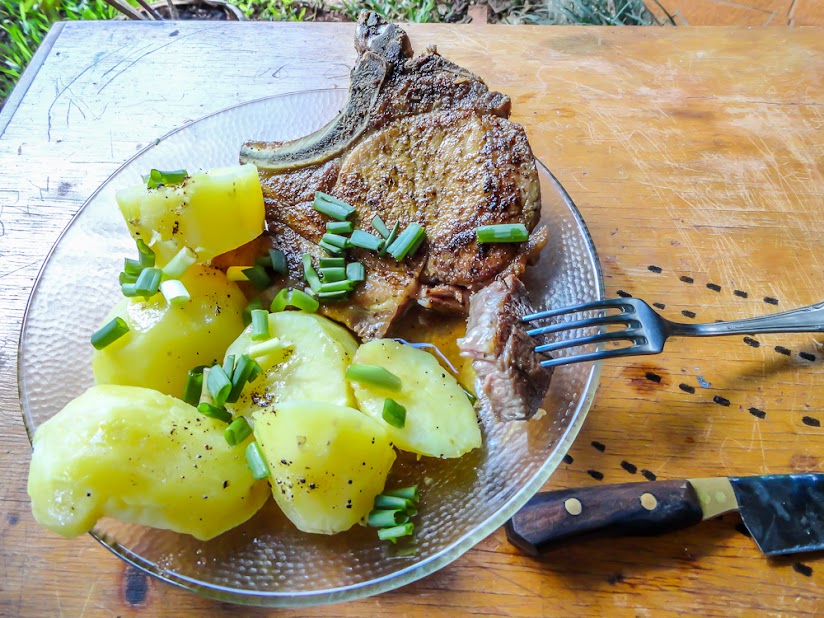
(509, 371)
(419, 140)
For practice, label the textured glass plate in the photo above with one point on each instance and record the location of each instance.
(267, 561)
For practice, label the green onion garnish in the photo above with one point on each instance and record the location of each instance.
(335, 286)
(372, 375)
(331, 249)
(256, 462)
(194, 385)
(265, 348)
(132, 267)
(127, 278)
(332, 262)
(355, 272)
(394, 413)
(180, 263)
(410, 238)
(332, 206)
(254, 372)
(293, 298)
(174, 292)
(237, 431)
(255, 303)
(392, 236)
(128, 289)
(365, 240)
(333, 296)
(383, 501)
(380, 226)
(472, 398)
(229, 365)
(392, 534)
(158, 178)
(410, 493)
(309, 273)
(386, 519)
(258, 276)
(148, 282)
(330, 275)
(260, 324)
(109, 333)
(340, 227)
(336, 240)
(147, 256)
(504, 232)
(278, 259)
(207, 409)
(245, 367)
(219, 384)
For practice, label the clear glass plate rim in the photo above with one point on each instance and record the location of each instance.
(384, 583)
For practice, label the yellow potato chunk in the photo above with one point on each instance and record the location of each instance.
(211, 212)
(440, 421)
(311, 366)
(165, 341)
(327, 463)
(141, 457)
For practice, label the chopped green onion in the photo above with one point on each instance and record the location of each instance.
(127, 278)
(394, 413)
(293, 298)
(278, 259)
(392, 534)
(336, 240)
(410, 493)
(180, 263)
(254, 372)
(255, 303)
(219, 384)
(147, 256)
(229, 365)
(148, 282)
(332, 262)
(260, 324)
(128, 289)
(240, 376)
(236, 273)
(392, 236)
(383, 501)
(333, 296)
(407, 240)
(258, 276)
(207, 409)
(372, 375)
(256, 461)
(132, 267)
(416, 245)
(380, 226)
(309, 273)
(365, 240)
(174, 292)
(109, 333)
(332, 206)
(237, 431)
(355, 272)
(504, 232)
(340, 227)
(472, 398)
(331, 249)
(386, 519)
(158, 178)
(336, 286)
(194, 385)
(265, 348)
(330, 275)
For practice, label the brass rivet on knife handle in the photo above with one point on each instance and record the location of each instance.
(573, 506)
(648, 501)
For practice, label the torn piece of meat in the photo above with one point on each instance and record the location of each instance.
(419, 140)
(509, 371)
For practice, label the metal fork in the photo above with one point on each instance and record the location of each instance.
(648, 331)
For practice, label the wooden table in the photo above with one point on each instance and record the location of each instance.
(697, 159)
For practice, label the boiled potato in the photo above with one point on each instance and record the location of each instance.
(211, 212)
(142, 457)
(327, 462)
(311, 367)
(440, 421)
(165, 341)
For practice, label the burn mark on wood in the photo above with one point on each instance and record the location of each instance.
(568, 459)
(650, 476)
(623, 294)
(770, 300)
(654, 269)
(631, 468)
(812, 422)
(686, 279)
(741, 294)
(721, 401)
(653, 377)
(688, 314)
(752, 342)
(135, 585)
(659, 305)
(598, 476)
(618, 578)
(12, 518)
(782, 350)
(757, 413)
(598, 446)
(807, 356)
(687, 388)
(805, 569)
(714, 287)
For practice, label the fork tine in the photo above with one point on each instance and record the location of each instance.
(599, 338)
(635, 350)
(596, 304)
(607, 319)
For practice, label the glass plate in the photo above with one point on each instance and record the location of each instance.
(267, 561)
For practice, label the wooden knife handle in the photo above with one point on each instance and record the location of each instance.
(627, 509)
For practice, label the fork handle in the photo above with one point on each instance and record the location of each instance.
(803, 320)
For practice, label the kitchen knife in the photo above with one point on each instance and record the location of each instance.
(783, 512)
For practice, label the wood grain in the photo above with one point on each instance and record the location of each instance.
(695, 156)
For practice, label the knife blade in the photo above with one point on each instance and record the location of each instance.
(783, 512)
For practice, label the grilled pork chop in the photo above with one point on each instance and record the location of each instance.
(419, 140)
(509, 371)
